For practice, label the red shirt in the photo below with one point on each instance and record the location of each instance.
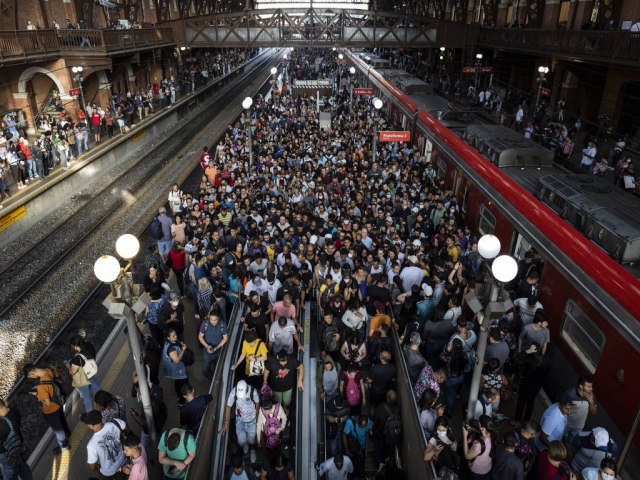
(204, 160)
(177, 259)
(95, 118)
(546, 471)
(25, 149)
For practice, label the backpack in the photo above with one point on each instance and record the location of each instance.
(12, 445)
(329, 343)
(472, 437)
(155, 229)
(270, 429)
(122, 430)
(59, 390)
(353, 392)
(392, 428)
(185, 439)
(352, 440)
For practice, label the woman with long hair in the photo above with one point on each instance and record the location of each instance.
(205, 297)
(177, 259)
(110, 406)
(82, 371)
(478, 452)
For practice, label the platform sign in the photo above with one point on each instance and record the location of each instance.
(486, 69)
(468, 69)
(12, 218)
(390, 136)
(363, 91)
(545, 92)
(74, 92)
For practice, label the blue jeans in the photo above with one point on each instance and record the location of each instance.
(209, 361)
(87, 393)
(79, 146)
(164, 247)
(31, 168)
(246, 432)
(22, 471)
(451, 385)
(85, 140)
(58, 423)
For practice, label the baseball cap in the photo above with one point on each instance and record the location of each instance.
(426, 289)
(416, 243)
(600, 437)
(93, 417)
(242, 390)
(412, 259)
(257, 281)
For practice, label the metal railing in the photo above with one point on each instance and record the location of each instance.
(17, 45)
(610, 47)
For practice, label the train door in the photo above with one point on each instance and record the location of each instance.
(428, 148)
(519, 246)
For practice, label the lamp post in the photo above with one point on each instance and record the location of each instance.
(77, 76)
(107, 269)
(542, 71)
(504, 269)
(246, 104)
(352, 71)
(478, 63)
(377, 104)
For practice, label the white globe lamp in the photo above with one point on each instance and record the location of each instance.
(247, 102)
(106, 269)
(504, 268)
(489, 246)
(274, 70)
(377, 103)
(127, 246)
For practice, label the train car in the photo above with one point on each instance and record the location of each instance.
(592, 301)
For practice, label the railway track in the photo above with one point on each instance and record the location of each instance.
(46, 253)
(48, 343)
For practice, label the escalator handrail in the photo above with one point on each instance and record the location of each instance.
(215, 393)
(403, 376)
(303, 358)
(225, 384)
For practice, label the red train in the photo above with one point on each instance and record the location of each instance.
(593, 302)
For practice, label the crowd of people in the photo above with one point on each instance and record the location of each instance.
(63, 136)
(385, 245)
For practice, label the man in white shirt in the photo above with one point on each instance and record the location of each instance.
(336, 468)
(411, 274)
(527, 308)
(519, 117)
(588, 156)
(105, 452)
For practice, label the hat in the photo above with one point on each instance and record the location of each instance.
(416, 243)
(412, 259)
(565, 399)
(427, 290)
(93, 417)
(257, 281)
(313, 240)
(415, 210)
(242, 390)
(600, 437)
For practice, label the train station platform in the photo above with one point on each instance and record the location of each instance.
(115, 369)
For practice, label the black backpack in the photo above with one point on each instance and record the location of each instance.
(11, 457)
(155, 229)
(392, 428)
(59, 390)
(329, 343)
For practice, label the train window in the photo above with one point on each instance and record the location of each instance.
(442, 169)
(487, 222)
(583, 336)
(522, 247)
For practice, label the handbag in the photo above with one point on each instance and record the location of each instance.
(188, 357)
(90, 366)
(80, 379)
(256, 367)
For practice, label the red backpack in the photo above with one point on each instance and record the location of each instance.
(270, 429)
(353, 391)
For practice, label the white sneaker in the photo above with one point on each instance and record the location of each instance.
(36, 176)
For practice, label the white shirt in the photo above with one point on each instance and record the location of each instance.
(635, 27)
(478, 410)
(411, 276)
(526, 313)
(589, 154)
(272, 291)
(105, 448)
(519, 115)
(329, 469)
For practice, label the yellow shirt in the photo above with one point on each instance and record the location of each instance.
(255, 349)
(453, 253)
